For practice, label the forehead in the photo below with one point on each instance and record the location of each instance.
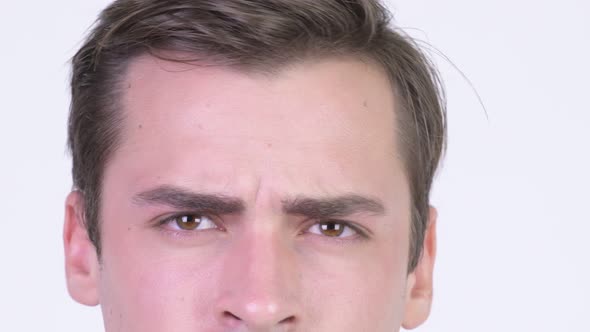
(345, 90)
(328, 119)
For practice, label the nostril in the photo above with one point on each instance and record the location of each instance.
(230, 320)
(235, 321)
(288, 320)
(229, 315)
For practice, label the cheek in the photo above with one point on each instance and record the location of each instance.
(368, 285)
(145, 284)
(146, 293)
(387, 288)
(383, 281)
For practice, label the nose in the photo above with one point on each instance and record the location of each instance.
(259, 284)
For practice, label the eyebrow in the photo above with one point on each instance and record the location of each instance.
(183, 199)
(337, 207)
(313, 208)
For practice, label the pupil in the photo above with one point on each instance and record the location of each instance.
(332, 228)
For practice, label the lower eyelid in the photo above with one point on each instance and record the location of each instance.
(180, 233)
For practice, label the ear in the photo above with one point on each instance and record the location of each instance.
(80, 255)
(419, 284)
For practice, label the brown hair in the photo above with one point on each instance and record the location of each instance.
(251, 35)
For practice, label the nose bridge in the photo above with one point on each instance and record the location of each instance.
(259, 285)
(262, 254)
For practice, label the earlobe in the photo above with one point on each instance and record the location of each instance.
(419, 283)
(80, 255)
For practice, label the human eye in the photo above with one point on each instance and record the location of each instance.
(336, 229)
(186, 222)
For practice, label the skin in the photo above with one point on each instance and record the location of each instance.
(319, 130)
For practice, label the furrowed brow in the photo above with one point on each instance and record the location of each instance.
(182, 199)
(337, 207)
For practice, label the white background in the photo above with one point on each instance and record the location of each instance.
(513, 196)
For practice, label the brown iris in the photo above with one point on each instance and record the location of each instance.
(332, 228)
(188, 222)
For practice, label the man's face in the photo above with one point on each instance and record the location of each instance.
(244, 202)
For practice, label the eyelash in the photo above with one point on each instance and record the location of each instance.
(360, 234)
